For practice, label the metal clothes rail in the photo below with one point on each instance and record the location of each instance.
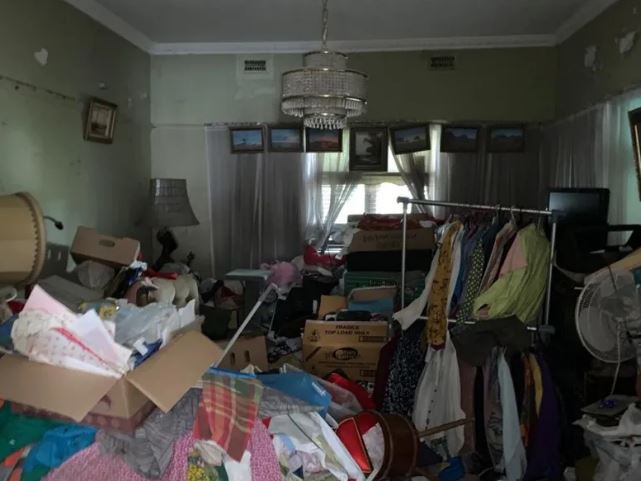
(554, 215)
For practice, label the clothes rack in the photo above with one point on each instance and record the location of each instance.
(553, 215)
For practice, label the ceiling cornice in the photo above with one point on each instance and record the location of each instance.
(113, 22)
(390, 45)
(588, 12)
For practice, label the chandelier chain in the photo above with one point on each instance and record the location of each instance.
(325, 23)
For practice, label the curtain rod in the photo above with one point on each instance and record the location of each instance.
(439, 203)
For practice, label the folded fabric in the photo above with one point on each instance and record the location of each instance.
(149, 451)
(227, 412)
(93, 464)
(474, 343)
(56, 447)
(264, 462)
(18, 431)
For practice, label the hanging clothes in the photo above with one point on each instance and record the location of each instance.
(405, 371)
(520, 289)
(440, 293)
(514, 460)
(473, 282)
(494, 262)
(438, 396)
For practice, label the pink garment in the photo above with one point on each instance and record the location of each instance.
(264, 463)
(96, 466)
(515, 259)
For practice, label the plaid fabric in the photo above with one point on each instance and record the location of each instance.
(227, 412)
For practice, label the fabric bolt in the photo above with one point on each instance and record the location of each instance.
(438, 396)
(493, 410)
(227, 412)
(55, 448)
(544, 453)
(494, 262)
(149, 451)
(264, 462)
(383, 371)
(439, 296)
(17, 431)
(95, 465)
(475, 342)
(473, 283)
(519, 292)
(405, 371)
(514, 460)
(538, 383)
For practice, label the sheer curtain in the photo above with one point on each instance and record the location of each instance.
(256, 215)
(516, 179)
(326, 174)
(594, 149)
(414, 173)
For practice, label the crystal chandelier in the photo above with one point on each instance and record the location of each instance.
(324, 93)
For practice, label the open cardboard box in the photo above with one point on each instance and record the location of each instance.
(246, 350)
(162, 381)
(353, 347)
(88, 244)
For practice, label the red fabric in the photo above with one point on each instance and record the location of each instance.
(386, 222)
(351, 438)
(313, 258)
(16, 306)
(356, 389)
(172, 276)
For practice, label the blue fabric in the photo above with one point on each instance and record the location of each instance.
(467, 247)
(58, 445)
(5, 333)
(228, 372)
(152, 348)
(299, 385)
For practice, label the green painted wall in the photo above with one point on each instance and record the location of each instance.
(580, 87)
(41, 146)
(501, 84)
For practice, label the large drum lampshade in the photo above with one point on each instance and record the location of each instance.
(23, 239)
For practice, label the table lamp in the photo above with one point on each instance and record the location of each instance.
(169, 207)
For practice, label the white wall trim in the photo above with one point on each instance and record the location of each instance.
(588, 12)
(392, 45)
(113, 22)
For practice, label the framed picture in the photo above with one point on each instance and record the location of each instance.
(246, 140)
(507, 138)
(286, 139)
(368, 149)
(101, 121)
(406, 140)
(459, 139)
(635, 127)
(322, 140)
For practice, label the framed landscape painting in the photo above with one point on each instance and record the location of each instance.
(323, 140)
(246, 140)
(459, 139)
(368, 149)
(504, 139)
(286, 139)
(406, 140)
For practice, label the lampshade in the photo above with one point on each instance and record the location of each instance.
(169, 204)
(23, 239)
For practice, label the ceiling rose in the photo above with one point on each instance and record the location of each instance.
(324, 93)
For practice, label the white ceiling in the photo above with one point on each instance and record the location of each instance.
(237, 26)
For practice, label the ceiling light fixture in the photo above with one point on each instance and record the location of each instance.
(324, 93)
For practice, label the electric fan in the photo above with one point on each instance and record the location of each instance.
(606, 303)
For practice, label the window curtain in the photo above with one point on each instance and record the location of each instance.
(594, 149)
(413, 170)
(256, 212)
(509, 179)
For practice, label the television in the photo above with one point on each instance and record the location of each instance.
(580, 205)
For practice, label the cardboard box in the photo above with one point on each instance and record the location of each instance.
(247, 350)
(161, 381)
(353, 347)
(392, 240)
(115, 252)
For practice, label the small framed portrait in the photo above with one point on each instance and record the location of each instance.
(246, 140)
(635, 129)
(100, 122)
(368, 149)
(406, 140)
(456, 139)
(506, 138)
(323, 140)
(286, 139)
